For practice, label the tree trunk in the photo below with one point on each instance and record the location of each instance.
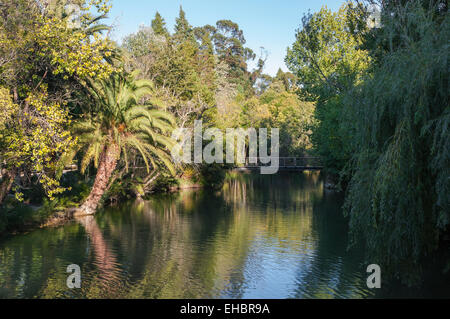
(8, 178)
(107, 165)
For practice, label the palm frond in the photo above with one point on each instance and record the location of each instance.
(122, 120)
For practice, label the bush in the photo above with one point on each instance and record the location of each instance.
(212, 176)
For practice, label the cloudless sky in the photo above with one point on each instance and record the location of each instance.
(266, 23)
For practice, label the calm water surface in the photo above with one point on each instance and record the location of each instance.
(279, 236)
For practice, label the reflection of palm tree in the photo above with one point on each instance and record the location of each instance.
(197, 244)
(105, 259)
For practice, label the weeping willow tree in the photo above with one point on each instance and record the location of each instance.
(398, 198)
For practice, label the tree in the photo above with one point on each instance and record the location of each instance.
(328, 58)
(229, 43)
(7, 112)
(43, 57)
(43, 46)
(183, 30)
(398, 197)
(287, 78)
(32, 141)
(281, 108)
(182, 68)
(120, 125)
(159, 25)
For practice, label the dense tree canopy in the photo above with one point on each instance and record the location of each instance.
(42, 57)
(327, 56)
(328, 59)
(54, 56)
(382, 123)
(400, 121)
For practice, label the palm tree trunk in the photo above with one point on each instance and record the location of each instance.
(6, 184)
(107, 165)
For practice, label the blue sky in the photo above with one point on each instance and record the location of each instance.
(266, 23)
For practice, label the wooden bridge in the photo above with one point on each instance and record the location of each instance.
(285, 163)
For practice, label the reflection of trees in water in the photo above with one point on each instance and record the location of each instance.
(100, 273)
(107, 281)
(284, 205)
(191, 244)
(28, 261)
(197, 244)
(335, 272)
(297, 211)
(34, 265)
(277, 214)
(287, 190)
(181, 260)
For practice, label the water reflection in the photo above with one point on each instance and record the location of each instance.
(105, 260)
(277, 236)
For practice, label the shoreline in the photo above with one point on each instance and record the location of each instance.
(60, 218)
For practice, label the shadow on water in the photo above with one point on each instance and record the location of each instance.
(280, 236)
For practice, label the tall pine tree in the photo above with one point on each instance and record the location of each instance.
(183, 30)
(159, 25)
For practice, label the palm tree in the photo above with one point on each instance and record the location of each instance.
(117, 125)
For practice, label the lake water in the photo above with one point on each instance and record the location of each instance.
(272, 236)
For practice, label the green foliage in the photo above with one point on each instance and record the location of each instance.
(119, 118)
(43, 55)
(164, 183)
(7, 110)
(328, 58)
(400, 175)
(15, 216)
(121, 188)
(18, 216)
(212, 176)
(181, 70)
(229, 42)
(381, 122)
(35, 138)
(159, 25)
(292, 116)
(331, 136)
(280, 107)
(41, 44)
(142, 42)
(183, 30)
